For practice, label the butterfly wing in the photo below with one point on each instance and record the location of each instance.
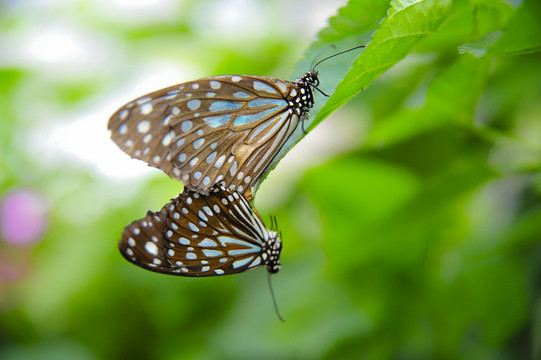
(142, 242)
(199, 235)
(222, 128)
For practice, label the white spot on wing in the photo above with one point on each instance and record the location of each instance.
(218, 164)
(143, 126)
(258, 85)
(208, 243)
(168, 138)
(193, 104)
(143, 100)
(186, 125)
(256, 262)
(123, 115)
(207, 210)
(151, 248)
(242, 262)
(212, 253)
(281, 85)
(233, 169)
(146, 108)
(197, 143)
(211, 157)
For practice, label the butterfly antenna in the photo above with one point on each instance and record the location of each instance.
(274, 298)
(315, 87)
(272, 222)
(319, 54)
(340, 53)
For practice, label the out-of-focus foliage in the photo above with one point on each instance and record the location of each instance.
(423, 242)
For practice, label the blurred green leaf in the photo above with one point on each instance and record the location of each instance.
(450, 99)
(479, 47)
(353, 19)
(523, 34)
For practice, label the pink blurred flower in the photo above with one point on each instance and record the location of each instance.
(23, 217)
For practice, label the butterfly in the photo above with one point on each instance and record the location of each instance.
(202, 235)
(224, 128)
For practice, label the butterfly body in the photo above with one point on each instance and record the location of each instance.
(224, 128)
(202, 235)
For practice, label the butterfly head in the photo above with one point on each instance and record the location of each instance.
(311, 78)
(302, 96)
(274, 248)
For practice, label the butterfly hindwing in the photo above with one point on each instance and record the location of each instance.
(142, 242)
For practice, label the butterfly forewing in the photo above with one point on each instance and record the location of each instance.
(202, 235)
(223, 128)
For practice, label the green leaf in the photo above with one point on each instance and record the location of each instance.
(406, 24)
(380, 189)
(352, 26)
(523, 35)
(353, 19)
(450, 98)
(480, 47)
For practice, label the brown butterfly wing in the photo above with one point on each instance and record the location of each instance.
(223, 128)
(199, 235)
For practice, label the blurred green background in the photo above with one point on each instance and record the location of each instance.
(411, 217)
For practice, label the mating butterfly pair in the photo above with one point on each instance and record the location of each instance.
(218, 136)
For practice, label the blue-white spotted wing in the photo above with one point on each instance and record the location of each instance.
(202, 235)
(224, 128)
